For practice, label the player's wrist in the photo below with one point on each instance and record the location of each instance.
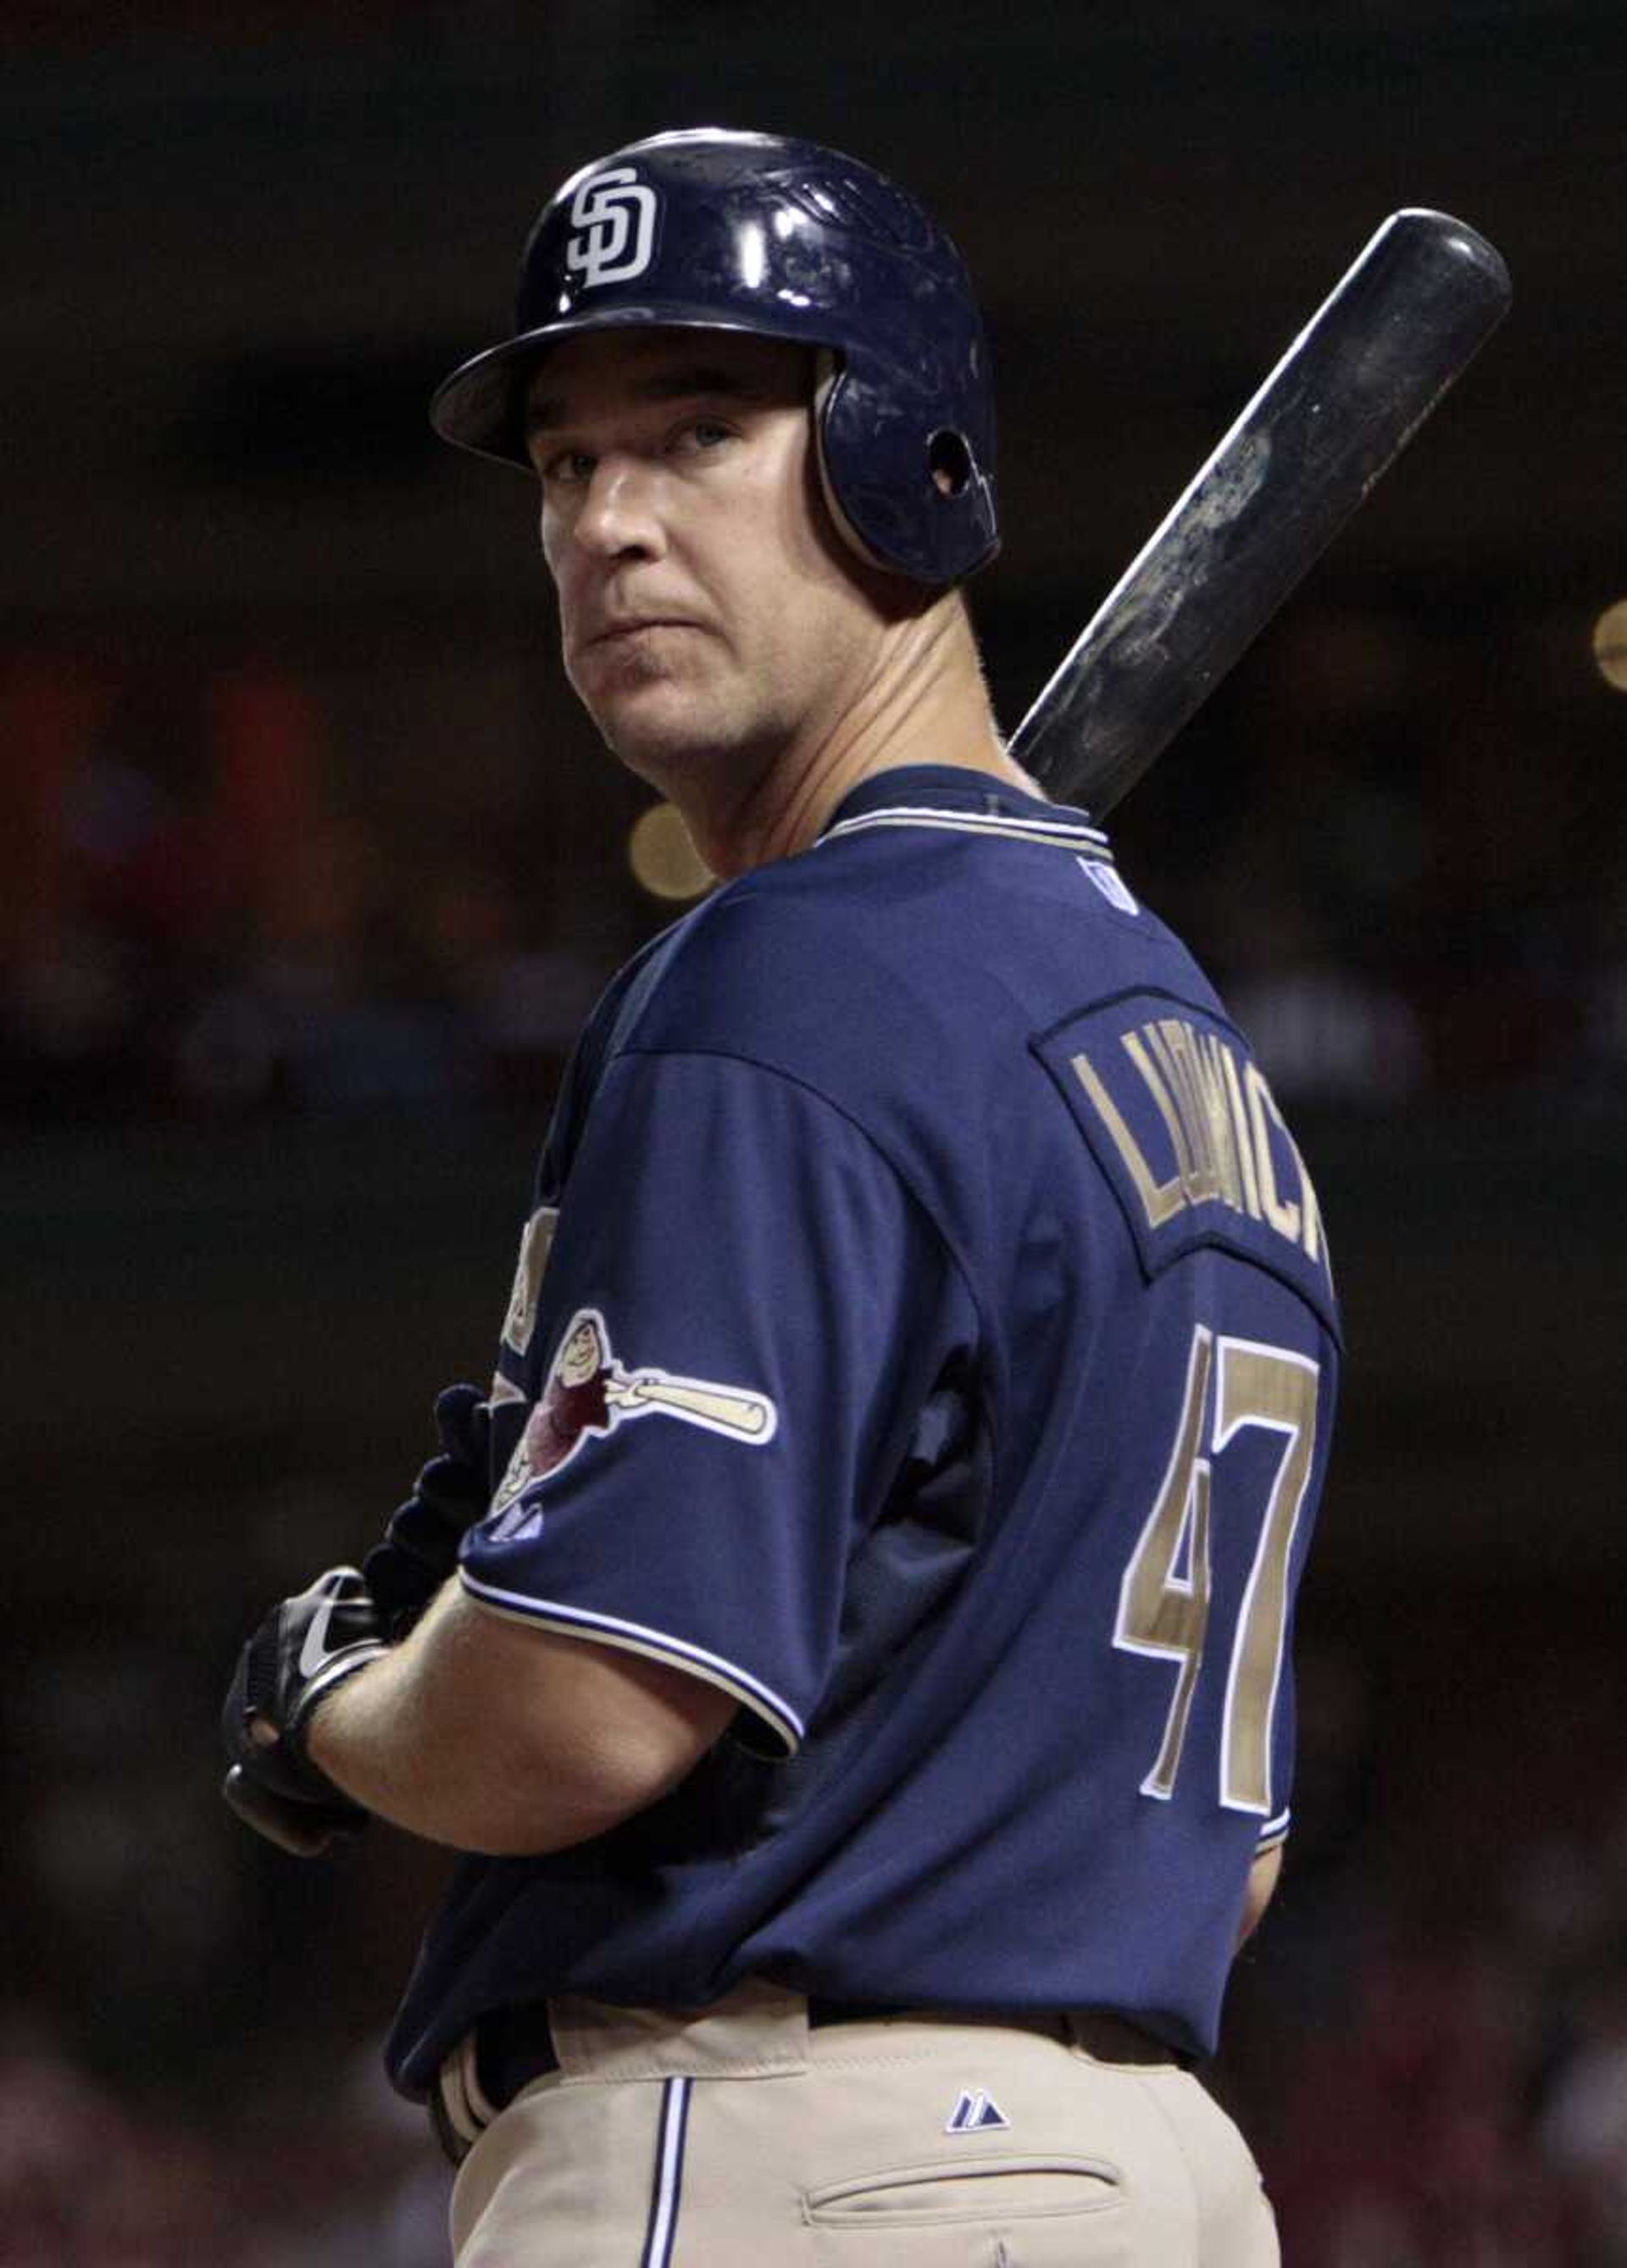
(306, 1649)
(318, 1730)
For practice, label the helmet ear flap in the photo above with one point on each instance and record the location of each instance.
(828, 378)
(948, 465)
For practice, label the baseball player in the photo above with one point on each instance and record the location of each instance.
(863, 1696)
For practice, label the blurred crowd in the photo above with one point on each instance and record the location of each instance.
(202, 921)
(336, 2174)
(1430, 2041)
(1397, 861)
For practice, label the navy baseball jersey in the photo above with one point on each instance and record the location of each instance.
(924, 1332)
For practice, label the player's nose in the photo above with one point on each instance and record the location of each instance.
(620, 512)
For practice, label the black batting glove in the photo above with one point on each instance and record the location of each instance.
(420, 1546)
(305, 1648)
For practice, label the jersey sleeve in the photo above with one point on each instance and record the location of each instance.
(741, 1303)
(1274, 1830)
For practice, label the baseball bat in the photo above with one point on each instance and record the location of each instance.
(1336, 412)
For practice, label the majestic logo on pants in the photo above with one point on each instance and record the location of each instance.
(589, 1393)
(974, 2113)
(613, 215)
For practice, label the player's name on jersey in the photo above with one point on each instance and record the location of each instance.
(1225, 1142)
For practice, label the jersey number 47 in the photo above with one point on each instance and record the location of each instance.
(1165, 1598)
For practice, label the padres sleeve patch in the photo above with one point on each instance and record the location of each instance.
(589, 1393)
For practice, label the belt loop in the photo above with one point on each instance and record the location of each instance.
(1108, 2039)
(458, 2115)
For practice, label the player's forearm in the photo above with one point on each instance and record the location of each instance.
(421, 1739)
(486, 1736)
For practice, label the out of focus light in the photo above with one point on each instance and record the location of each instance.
(664, 860)
(1610, 646)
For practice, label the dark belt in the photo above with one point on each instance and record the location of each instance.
(513, 2046)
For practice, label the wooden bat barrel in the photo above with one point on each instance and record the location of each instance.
(1339, 409)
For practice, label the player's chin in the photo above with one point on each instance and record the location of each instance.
(662, 729)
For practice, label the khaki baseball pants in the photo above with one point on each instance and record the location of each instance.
(742, 2138)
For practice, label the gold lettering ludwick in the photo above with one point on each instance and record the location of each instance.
(1218, 1114)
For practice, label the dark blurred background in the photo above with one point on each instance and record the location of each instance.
(310, 869)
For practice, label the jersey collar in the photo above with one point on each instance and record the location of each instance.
(931, 794)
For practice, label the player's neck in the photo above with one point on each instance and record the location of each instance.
(926, 703)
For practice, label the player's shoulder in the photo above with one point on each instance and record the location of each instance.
(756, 970)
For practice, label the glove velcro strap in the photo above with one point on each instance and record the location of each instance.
(331, 1674)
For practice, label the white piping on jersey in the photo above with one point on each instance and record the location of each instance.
(659, 1645)
(1069, 834)
(1273, 1830)
(658, 2250)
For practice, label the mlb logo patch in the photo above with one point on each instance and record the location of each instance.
(1107, 880)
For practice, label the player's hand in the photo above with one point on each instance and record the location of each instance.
(420, 1546)
(303, 1650)
(303, 1829)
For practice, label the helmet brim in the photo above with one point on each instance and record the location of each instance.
(481, 407)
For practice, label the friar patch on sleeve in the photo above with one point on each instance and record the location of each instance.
(589, 1393)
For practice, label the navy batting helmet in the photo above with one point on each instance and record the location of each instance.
(719, 231)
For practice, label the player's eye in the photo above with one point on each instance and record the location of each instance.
(699, 434)
(566, 468)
